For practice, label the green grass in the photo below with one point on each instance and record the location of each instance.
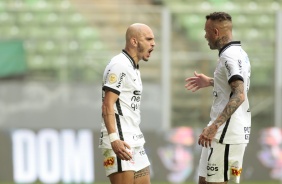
(243, 182)
(246, 182)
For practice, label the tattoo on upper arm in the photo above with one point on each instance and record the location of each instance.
(237, 98)
(237, 88)
(143, 172)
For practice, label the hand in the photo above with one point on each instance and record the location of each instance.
(207, 135)
(197, 82)
(121, 149)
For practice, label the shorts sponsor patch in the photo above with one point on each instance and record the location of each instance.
(236, 171)
(112, 78)
(109, 161)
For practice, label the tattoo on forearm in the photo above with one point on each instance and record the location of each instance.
(235, 101)
(143, 172)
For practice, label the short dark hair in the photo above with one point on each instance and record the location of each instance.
(219, 16)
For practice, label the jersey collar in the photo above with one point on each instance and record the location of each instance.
(130, 59)
(233, 43)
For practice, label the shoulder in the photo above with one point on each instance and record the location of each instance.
(230, 54)
(118, 61)
(230, 50)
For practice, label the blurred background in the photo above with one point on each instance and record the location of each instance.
(53, 55)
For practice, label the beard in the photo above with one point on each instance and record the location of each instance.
(141, 49)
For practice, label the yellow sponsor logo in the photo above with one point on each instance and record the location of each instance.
(109, 161)
(112, 78)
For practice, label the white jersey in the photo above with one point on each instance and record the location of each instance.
(233, 64)
(122, 76)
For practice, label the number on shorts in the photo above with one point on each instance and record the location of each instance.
(210, 154)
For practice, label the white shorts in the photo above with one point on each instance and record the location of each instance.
(112, 164)
(222, 162)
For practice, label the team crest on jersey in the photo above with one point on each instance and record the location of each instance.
(112, 78)
(109, 161)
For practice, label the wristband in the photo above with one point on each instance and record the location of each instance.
(113, 137)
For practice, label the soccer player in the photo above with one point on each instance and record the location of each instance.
(225, 138)
(121, 142)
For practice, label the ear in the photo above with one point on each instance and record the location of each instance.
(216, 32)
(133, 42)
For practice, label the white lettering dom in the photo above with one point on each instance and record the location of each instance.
(52, 156)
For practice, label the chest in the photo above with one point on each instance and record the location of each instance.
(134, 82)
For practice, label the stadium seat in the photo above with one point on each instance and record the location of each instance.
(26, 18)
(7, 18)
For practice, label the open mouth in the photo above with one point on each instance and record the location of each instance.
(150, 50)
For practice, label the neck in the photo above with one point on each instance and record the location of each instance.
(132, 54)
(221, 42)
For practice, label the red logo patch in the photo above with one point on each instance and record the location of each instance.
(109, 161)
(236, 172)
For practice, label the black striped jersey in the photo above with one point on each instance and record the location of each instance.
(233, 64)
(122, 77)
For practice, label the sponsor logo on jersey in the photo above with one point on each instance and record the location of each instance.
(109, 161)
(240, 65)
(122, 75)
(112, 78)
(137, 92)
(135, 102)
(136, 137)
(228, 68)
(236, 171)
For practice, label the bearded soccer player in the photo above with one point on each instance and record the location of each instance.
(122, 142)
(225, 138)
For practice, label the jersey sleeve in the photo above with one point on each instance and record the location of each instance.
(115, 79)
(233, 69)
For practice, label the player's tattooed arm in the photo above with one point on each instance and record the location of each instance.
(237, 98)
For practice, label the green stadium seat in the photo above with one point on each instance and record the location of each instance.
(7, 18)
(26, 18)
(61, 32)
(86, 33)
(74, 19)
(193, 20)
(48, 18)
(39, 5)
(10, 32)
(230, 6)
(240, 20)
